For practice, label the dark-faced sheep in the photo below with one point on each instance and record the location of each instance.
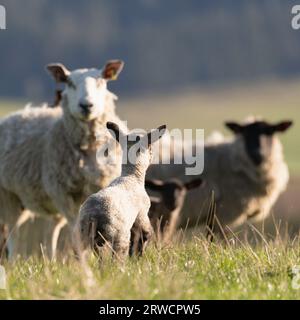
(246, 173)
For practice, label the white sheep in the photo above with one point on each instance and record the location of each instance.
(108, 216)
(246, 173)
(48, 162)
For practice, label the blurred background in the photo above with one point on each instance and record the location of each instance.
(191, 64)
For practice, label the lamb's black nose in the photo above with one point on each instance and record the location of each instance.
(86, 107)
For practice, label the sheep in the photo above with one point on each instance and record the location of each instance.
(164, 214)
(50, 158)
(246, 173)
(108, 216)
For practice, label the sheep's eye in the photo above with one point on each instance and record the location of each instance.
(71, 84)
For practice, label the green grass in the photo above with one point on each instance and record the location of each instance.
(190, 270)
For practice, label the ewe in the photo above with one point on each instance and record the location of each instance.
(247, 174)
(108, 216)
(48, 162)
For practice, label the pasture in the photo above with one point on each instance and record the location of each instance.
(192, 268)
(189, 270)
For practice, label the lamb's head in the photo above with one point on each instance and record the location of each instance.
(172, 191)
(259, 139)
(86, 89)
(137, 154)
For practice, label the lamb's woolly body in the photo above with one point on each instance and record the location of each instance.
(113, 212)
(48, 160)
(242, 190)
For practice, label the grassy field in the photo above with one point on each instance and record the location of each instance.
(189, 269)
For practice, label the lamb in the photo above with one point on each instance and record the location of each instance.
(164, 213)
(246, 173)
(50, 158)
(108, 216)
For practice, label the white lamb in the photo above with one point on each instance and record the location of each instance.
(48, 162)
(109, 215)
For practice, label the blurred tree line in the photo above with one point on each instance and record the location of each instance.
(166, 44)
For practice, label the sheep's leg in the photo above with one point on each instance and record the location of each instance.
(15, 214)
(121, 248)
(169, 225)
(135, 236)
(61, 222)
(144, 226)
(23, 218)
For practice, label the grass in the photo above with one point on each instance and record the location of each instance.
(189, 270)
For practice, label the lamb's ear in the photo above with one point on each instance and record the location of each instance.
(193, 184)
(59, 72)
(156, 134)
(154, 184)
(114, 130)
(234, 127)
(112, 69)
(282, 126)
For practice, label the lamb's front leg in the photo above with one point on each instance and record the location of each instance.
(120, 246)
(141, 234)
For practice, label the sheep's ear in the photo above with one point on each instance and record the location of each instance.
(193, 184)
(234, 127)
(156, 134)
(59, 72)
(154, 184)
(114, 130)
(282, 126)
(112, 69)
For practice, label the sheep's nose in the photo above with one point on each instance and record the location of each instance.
(86, 106)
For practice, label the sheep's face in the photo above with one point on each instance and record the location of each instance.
(172, 192)
(137, 154)
(258, 138)
(86, 89)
